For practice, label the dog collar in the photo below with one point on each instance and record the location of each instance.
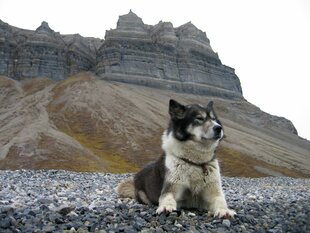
(204, 166)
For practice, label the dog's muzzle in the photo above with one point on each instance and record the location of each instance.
(217, 132)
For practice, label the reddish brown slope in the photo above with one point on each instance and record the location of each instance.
(87, 124)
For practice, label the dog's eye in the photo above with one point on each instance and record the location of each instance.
(200, 119)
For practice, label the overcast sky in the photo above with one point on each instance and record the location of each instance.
(266, 41)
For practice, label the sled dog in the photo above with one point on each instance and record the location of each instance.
(187, 175)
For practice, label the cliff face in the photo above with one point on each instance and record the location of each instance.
(159, 56)
(162, 56)
(43, 52)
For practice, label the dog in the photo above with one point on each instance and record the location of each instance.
(187, 175)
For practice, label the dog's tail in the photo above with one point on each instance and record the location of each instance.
(126, 188)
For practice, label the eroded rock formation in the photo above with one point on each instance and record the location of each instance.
(166, 57)
(160, 56)
(44, 53)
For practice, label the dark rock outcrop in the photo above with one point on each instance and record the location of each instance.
(43, 52)
(159, 56)
(165, 57)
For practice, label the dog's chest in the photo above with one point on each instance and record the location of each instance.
(187, 175)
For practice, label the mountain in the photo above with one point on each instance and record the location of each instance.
(86, 104)
(165, 57)
(158, 56)
(44, 53)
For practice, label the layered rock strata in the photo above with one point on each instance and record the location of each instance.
(165, 57)
(159, 56)
(43, 52)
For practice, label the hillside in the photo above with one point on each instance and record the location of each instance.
(84, 123)
(88, 104)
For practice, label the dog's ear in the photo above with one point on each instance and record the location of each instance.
(176, 110)
(210, 105)
(210, 110)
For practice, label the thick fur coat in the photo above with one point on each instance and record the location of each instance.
(187, 175)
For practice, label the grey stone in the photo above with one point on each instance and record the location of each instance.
(281, 217)
(64, 210)
(226, 223)
(5, 223)
(165, 57)
(160, 56)
(45, 201)
(49, 228)
(44, 53)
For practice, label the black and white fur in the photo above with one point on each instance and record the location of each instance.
(187, 175)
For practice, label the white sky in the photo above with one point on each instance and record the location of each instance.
(266, 41)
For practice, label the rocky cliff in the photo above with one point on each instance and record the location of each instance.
(159, 56)
(44, 53)
(166, 57)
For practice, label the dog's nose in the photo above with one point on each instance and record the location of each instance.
(217, 130)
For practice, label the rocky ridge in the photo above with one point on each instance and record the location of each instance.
(159, 56)
(44, 53)
(165, 57)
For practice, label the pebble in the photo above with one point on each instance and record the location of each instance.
(190, 214)
(63, 201)
(64, 210)
(226, 223)
(242, 229)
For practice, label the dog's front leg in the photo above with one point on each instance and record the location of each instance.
(213, 195)
(168, 198)
(216, 203)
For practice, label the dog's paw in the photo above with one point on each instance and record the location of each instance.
(224, 213)
(166, 209)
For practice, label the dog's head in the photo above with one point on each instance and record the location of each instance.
(194, 122)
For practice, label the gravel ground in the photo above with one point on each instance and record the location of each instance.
(62, 201)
